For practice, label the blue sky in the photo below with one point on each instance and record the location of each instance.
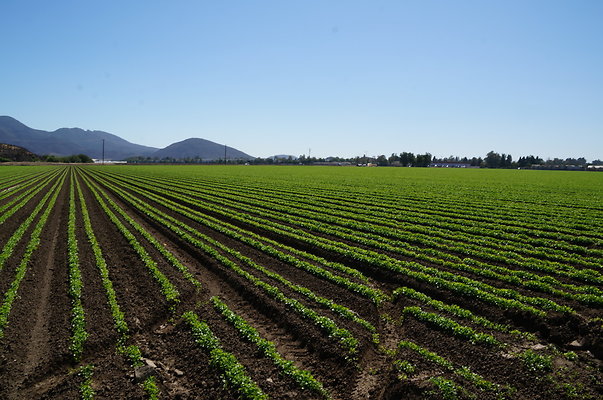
(340, 77)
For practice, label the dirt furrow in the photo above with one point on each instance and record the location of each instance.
(137, 293)
(38, 332)
(324, 288)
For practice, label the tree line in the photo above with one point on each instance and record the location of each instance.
(75, 158)
(409, 159)
(404, 159)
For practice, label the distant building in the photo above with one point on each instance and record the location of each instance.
(557, 167)
(451, 165)
(333, 163)
(99, 161)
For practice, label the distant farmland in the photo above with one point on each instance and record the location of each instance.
(227, 282)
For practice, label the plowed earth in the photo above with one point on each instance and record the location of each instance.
(36, 363)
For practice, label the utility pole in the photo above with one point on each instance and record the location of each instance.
(224, 154)
(103, 151)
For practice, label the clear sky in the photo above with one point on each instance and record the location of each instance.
(340, 77)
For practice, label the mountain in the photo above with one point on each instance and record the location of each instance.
(200, 148)
(68, 141)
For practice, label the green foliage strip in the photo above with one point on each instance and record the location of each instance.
(268, 349)
(78, 320)
(32, 246)
(233, 373)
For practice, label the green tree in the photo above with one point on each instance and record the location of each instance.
(492, 160)
(407, 159)
(423, 160)
(382, 161)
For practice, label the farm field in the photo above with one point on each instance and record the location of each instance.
(253, 282)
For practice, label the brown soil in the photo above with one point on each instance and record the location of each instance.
(35, 361)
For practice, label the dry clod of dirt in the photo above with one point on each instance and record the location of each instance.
(150, 363)
(143, 372)
(576, 344)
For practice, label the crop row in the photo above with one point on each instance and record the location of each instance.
(303, 378)
(234, 374)
(167, 288)
(132, 353)
(119, 321)
(326, 263)
(458, 312)
(269, 247)
(23, 198)
(78, 319)
(452, 327)
(346, 339)
(236, 233)
(528, 216)
(506, 298)
(221, 361)
(15, 238)
(32, 246)
(406, 233)
(444, 225)
(18, 183)
(431, 255)
(169, 256)
(515, 278)
(462, 372)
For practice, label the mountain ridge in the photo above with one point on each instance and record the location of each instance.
(201, 148)
(68, 141)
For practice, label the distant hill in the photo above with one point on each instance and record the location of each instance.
(200, 148)
(67, 141)
(9, 152)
